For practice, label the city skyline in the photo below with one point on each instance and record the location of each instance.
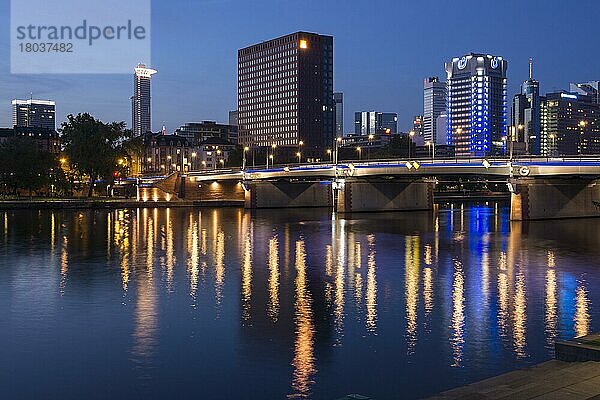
(210, 85)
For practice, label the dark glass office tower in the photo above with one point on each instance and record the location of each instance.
(285, 93)
(476, 106)
(338, 104)
(526, 113)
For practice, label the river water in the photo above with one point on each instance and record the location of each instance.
(275, 304)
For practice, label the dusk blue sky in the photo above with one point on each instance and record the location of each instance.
(382, 51)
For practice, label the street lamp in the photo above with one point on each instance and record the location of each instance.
(370, 138)
(329, 152)
(300, 144)
(246, 148)
(273, 147)
(222, 161)
(299, 155)
(431, 146)
(411, 134)
(338, 141)
(203, 164)
(358, 150)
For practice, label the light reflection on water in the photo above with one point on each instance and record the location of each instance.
(294, 304)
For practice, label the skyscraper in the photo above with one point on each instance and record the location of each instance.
(571, 123)
(141, 101)
(338, 104)
(476, 106)
(285, 93)
(233, 118)
(418, 125)
(434, 104)
(375, 123)
(526, 113)
(591, 89)
(34, 113)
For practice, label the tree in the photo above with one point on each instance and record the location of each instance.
(133, 148)
(92, 146)
(24, 166)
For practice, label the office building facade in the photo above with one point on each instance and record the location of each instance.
(233, 118)
(198, 132)
(476, 106)
(34, 114)
(591, 89)
(418, 125)
(285, 93)
(434, 104)
(338, 105)
(141, 101)
(571, 124)
(375, 123)
(526, 114)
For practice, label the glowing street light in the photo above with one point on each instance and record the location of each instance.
(246, 148)
(330, 153)
(358, 150)
(411, 134)
(299, 155)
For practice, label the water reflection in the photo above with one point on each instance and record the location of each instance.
(313, 298)
(582, 316)
(304, 360)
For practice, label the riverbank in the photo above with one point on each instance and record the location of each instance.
(575, 374)
(110, 203)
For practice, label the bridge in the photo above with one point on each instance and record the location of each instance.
(540, 188)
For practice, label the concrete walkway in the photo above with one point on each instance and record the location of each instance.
(550, 380)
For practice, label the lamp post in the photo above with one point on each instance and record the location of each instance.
(300, 144)
(338, 140)
(370, 138)
(203, 164)
(330, 154)
(411, 134)
(273, 147)
(358, 150)
(246, 148)
(431, 146)
(194, 154)
(299, 155)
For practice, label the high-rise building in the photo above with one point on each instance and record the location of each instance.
(141, 101)
(338, 105)
(434, 104)
(34, 113)
(198, 132)
(285, 93)
(233, 118)
(418, 125)
(570, 124)
(526, 114)
(476, 106)
(440, 124)
(375, 123)
(591, 89)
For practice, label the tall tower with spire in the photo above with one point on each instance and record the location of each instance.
(526, 115)
(141, 104)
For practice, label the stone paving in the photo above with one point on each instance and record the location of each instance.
(550, 380)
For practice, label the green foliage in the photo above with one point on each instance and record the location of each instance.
(24, 167)
(92, 146)
(236, 157)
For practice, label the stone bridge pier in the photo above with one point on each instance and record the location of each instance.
(288, 194)
(382, 194)
(549, 198)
